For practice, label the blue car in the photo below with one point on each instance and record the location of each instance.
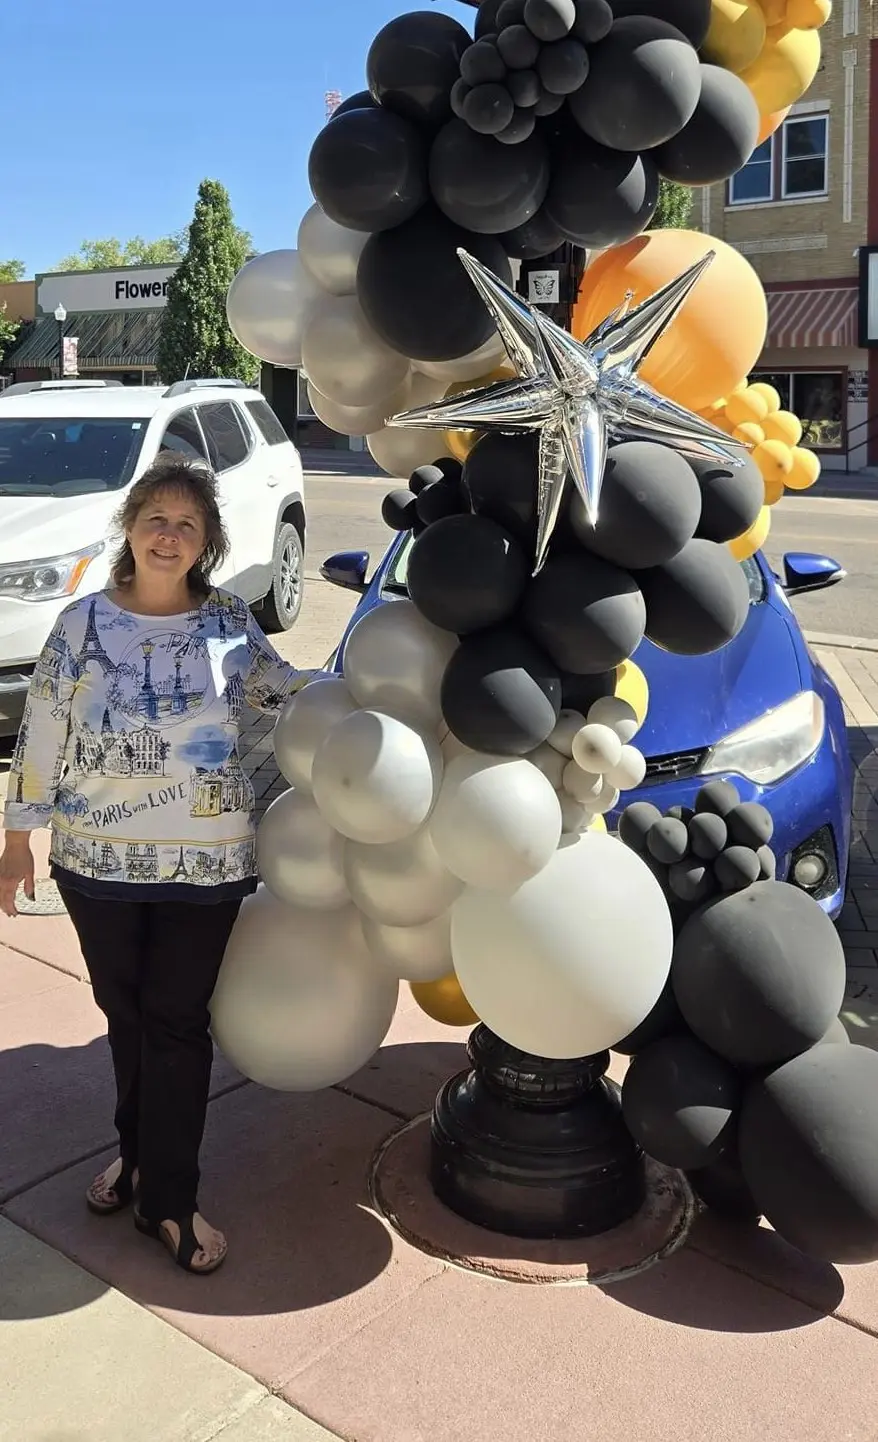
(761, 713)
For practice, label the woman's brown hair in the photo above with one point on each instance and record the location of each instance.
(196, 481)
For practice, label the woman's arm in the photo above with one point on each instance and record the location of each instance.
(270, 680)
(38, 762)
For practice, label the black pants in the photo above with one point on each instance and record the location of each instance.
(153, 967)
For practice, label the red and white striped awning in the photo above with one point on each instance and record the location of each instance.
(808, 318)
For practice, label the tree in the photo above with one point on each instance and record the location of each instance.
(195, 336)
(11, 271)
(8, 331)
(674, 208)
(113, 255)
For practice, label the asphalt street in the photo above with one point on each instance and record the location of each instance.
(344, 513)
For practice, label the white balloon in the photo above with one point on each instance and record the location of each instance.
(596, 748)
(629, 770)
(402, 883)
(566, 727)
(394, 661)
(344, 358)
(358, 420)
(551, 762)
(330, 251)
(269, 305)
(300, 857)
(468, 367)
(400, 451)
(584, 786)
(304, 722)
(497, 820)
(413, 953)
(300, 1002)
(619, 715)
(574, 816)
(375, 779)
(575, 959)
(606, 801)
(450, 747)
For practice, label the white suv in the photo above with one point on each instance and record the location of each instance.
(68, 452)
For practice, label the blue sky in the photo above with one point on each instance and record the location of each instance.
(114, 112)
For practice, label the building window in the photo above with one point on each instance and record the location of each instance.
(793, 164)
(818, 399)
(304, 408)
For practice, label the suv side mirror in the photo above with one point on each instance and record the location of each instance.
(347, 569)
(804, 571)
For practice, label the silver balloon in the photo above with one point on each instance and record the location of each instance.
(303, 724)
(331, 252)
(345, 360)
(358, 420)
(269, 304)
(412, 953)
(299, 855)
(395, 660)
(400, 452)
(466, 367)
(402, 883)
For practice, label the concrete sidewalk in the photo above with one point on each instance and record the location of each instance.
(326, 1324)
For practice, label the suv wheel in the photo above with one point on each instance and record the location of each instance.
(284, 601)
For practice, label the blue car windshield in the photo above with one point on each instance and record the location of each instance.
(44, 456)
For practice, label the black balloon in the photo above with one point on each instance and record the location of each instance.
(511, 12)
(717, 798)
(563, 66)
(413, 63)
(459, 92)
(636, 822)
(680, 1101)
(808, 1143)
(681, 813)
(499, 478)
(736, 868)
(481, 64)
(486, 19)
(424, 476)
(668, 841)
(500, 693)
(594, 20)
(691, 881)
(466, 573)
(579, 693)
(519, 49)
(533, 240)
(750, 825)
(520, 128)
(398, 510)
(696, 602)
(720, 137)
(767, 864)
(549, 19)
(664, 1020)
(484, 187)
(722, 1187)
(368, 169)
(600, 197)
(449, 469)
(692, 17)
(650, 505)
(708, 835)
(759, 975)
(549, 104)
(416, 294)
(362, 100)
(439, 500)
(731, 498)
(587, 614)
(524, 87)
(488, 109)
(642, 87)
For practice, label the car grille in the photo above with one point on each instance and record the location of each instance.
(677, 767)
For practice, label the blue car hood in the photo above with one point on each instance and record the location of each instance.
(696, 700)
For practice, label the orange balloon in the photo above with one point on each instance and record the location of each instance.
(444, 1001)
(785, 68)
(713, 340)
(774, 490)
(774, 459)
(769, 394)
(749, 433)
(783, 426)
(807, 14)
(754, 539)
(746, 405)
(770, 123)
(805, 471)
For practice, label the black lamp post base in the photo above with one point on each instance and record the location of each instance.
(531, 1147)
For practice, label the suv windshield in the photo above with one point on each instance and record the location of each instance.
(43, 456)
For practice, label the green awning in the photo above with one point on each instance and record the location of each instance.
(125, 338)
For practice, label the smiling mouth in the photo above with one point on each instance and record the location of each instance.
(166, 555)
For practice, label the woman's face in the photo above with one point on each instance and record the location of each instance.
(168, 535)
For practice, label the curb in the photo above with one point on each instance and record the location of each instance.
(840, 643)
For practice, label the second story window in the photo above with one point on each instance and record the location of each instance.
(793, 164)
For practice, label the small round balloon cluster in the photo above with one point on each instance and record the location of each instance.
(522, 68)
(743, 1075)
(434, 492)
(722, 845)
(754, 414)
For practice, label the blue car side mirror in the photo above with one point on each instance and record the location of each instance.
(804, 571)
(347, 569)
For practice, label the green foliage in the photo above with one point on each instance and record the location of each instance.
(195, 336)
(113, 255)
(8, 331)
(674, 208)
(12, 270)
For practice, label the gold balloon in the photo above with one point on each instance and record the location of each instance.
(444, 1001)
(631, 686)
(746, 405)
(736, 35)
(774, 11)
(805, 471)
(774, 459)
(753, 539)
(769, 395)
(783, 426)
(807, 14)
(785, 69)
(749, 433)
(774, 489)
(459, 443)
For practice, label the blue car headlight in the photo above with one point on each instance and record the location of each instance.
(771, 747)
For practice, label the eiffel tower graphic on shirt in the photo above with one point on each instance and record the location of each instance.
(92, 649)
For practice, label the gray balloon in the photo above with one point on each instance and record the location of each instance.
(331, 252)
(344, 358)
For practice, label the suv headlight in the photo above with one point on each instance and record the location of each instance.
(48, 580)
(765, 750)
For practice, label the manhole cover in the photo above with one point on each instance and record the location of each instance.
(47, 901)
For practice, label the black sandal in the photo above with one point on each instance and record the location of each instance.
(184, 1251)
(123, 1188)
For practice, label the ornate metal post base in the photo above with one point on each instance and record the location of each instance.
(534, 1148)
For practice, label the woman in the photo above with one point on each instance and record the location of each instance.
(129, 751)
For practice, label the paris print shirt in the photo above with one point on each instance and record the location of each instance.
(128, 748)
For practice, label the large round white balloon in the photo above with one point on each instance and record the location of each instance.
(359, 420)
(394, 661)
(412, 953)
(269, 305)
(375, 779)
(345, 360)
(401, 883)
(575, 959)
(302, 725)
(399, 451)
(300, 1002)
(467, 367)
(330, 251)
(300, 857)
(497, 820)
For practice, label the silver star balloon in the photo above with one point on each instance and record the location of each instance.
(579, 395)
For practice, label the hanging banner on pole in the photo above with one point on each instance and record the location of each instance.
(70, 365)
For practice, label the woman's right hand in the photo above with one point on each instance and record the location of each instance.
(16, 866)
